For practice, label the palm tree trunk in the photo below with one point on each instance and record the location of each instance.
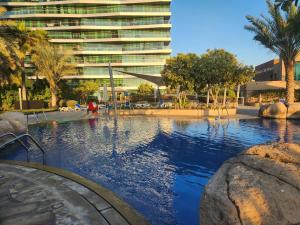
(290, 82)
(53, 97)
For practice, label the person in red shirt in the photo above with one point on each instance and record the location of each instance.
(92, 107)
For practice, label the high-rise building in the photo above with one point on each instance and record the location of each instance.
(132, 35)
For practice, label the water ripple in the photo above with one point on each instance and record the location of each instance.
(158, 165)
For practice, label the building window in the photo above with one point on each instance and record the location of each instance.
(297, 71)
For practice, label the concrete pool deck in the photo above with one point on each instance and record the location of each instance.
(243, 112)
(33, 194)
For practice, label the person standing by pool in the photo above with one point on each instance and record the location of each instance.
(92, 106)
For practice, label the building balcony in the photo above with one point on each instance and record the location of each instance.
(72, 2)
(52, 27)
(123, 64)
(117, 64)
(111, 40)
(132, 52)
(95, 15)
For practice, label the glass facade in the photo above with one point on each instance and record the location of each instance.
(114, 47)
(297, 71)
(103, 33)
(108, 34)
(69, 9)
(97, 22)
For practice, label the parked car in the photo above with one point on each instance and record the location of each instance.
(142, 104)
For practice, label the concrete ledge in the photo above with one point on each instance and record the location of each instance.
(130, 214)
(177, 112)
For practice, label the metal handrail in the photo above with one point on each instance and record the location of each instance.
(19, 141)
(17, 138)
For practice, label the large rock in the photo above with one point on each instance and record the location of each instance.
(13, 122)
(294, 111)
(259, 187)
(275, 111)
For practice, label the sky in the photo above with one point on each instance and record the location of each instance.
(199, 25)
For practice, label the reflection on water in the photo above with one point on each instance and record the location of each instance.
(158, 165)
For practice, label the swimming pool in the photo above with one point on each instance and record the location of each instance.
(158, 165)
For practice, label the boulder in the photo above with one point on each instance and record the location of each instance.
(259, 187)
(275, 111)
(294, 111)
(262, 110)
(5, 127)
(13, 121)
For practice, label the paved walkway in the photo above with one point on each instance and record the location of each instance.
(243, 112)
(30, 196)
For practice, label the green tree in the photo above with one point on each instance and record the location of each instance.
(145, 89)
(216, 71)
(86, 88)
(243, 75)
(52, 64)
(280, 34)
(179, 73)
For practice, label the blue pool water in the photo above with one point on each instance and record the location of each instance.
(158, 165)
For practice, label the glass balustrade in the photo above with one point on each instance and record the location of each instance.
(114, 47)
(118, 59)
(109, 34)
(104, 70)
(87, 9)
(96, 22)
(37, 1)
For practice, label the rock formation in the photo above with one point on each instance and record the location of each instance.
(280, 111)
(259, 187)
(12, 122)
(275, 111)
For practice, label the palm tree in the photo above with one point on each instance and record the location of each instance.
(8, 48)
(52, 64)
(279, 34)
(286, 4)
(30, 39)
(16, 42)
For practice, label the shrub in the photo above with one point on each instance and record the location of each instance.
(145, 89)
(8, 100)
(71, 103)
(62, 103)
(44, 95)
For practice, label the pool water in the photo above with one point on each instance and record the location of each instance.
(158, 165)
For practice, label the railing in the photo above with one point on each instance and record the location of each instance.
(38, 1)
(64, 24)
(114, 47)
(89, 10)
(108, 34)
(19, 140)
(121, 59)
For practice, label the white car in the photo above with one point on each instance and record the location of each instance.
(142, 104)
